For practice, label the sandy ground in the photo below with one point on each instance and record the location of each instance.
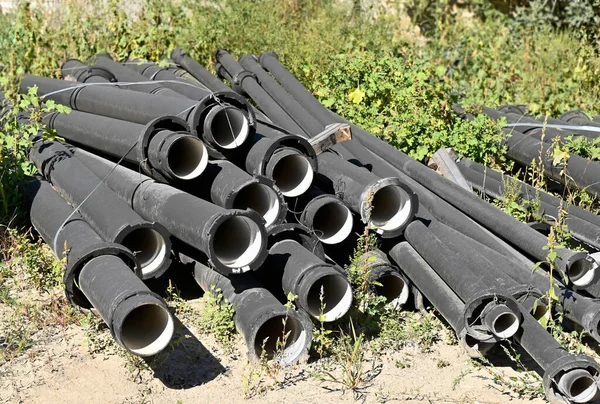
(60, 368)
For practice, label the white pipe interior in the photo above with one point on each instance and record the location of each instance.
(337, 297)
(261, 198)
(229, 127)
(578, 385)
(293, 174)
(187, 158)
(332, 223)
(280, 328)
(582, 272)
(147, 329)
(391, 207)
(394, 289)
(505, 325)
(237, 242)
(149, 248)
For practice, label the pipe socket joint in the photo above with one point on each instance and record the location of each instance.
(571, 378)
(388, 206)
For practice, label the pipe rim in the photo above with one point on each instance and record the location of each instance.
(582, 271)
(338, 214)
(293, 174)
(261, 198)
(400, 291)
(397, 207)
(505, 325)
(229, 126)
(187, 158)
(237, 241)
(578, 385)
(151, 261)
(152, 342)
(332, 284)
(272, 328)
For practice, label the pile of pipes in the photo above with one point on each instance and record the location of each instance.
(263, 201)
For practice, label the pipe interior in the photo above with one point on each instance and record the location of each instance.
(541, 310)
(332, 223)
(578, 385)
(394, 289)
(293, 174)
(278, 328)
(337, 297)
(229, 127)
(391, 207)
(260, 198)
(237, 242)
(187, 158)
(147, 329)
(505, 325)
(149, 248)
(582, 272)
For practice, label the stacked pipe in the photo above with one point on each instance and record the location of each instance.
(471, 261)
(255, 210)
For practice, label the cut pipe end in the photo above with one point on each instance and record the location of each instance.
(147, 329)
(582, 271)
(237, 242)
(337, 297)
(394, 289)
(578, 385)
(150, 248)
(291, 171)
(187, 158)
(228, 126)
(502, 321)
(391, 208)
(332, 223)
(261, 198)
(279, 328)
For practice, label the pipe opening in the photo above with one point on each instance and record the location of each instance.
(332, 223)
(229, 127)
(394, 289)
(505, 325)
(187, 158)
(149, 248)
(147, 329)
(237, 242)
(390, 208)
(337, 297)
(540, 311)
(293, 174)
(582, 272)
(261, 198)
(279, 328)
(578, 385)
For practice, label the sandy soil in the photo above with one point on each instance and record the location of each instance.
(59, 368)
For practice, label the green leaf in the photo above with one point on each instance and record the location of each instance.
(356, 95)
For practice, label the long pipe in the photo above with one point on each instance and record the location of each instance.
(222, 120)
(325, 214)
(233, 241)
(110, 217)
(300, 234)
(75, 70)
(262, 320)
(291, 268)
(490, 312)
(101, 275)
(226, 185)
(446, 302)
(163, 148)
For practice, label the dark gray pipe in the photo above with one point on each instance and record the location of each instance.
(222, 120)
(385, 279)
(490, 312)
(245, 83)
(110, 217)
(226, 185)
(233, 241)
(300, 234)
(101, 275)
(261, 319)
(164, 149)
(197, 71)
(125, 75)
(291, 268)
(75, 70)
(325, 214)
(439, 294)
